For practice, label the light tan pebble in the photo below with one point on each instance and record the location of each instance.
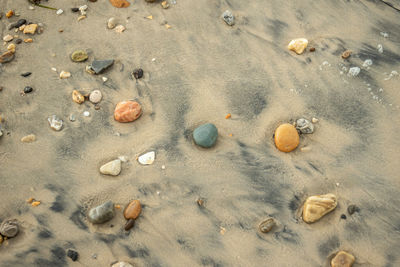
(30, 29)
(305, 149)
(122, 264)
(165, 4)
(111, 168)
(54, 69)
(104, 79)
(16, 36)
(16, 30)
(31, 8)
(28, 40)
(22, 27)
(81, 17)
(65, 74)
(342, 259)
(35, 203)
(314, 120)
(316, 207)
(298, 45)
(11, 47)
(29, 138)
(149, 17)
(95, 96)
(111, 23)
(168, 26)
(8, 38)
(120, 28)
(9, 14)
(77, 97)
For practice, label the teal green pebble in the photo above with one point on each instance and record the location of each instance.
(205, 135)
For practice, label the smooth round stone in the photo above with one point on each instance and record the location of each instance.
(286, 137)
(205, 135)
(122, 264)
(315, 207)
(9, 228)
(132, 211)
(28, 89)
(343, 259)
(79, 56)
(111, 168)
(267, 225)
(127, 111)
(111, 23)
(119, 3)
(102, 213)
(95, 96)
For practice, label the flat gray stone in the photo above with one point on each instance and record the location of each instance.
(98, 66)
(102, 213)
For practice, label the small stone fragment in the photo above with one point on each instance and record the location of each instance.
(147, 158)
(7, 57)
(314, 120)
(86, 113)
(28, 139)
(304, 126)
(77, 97)
(367, 63)
(1, 239)
(205, 135)
(200, 202)
(79, 56)
(111, 23)
(30, 29)
(228, 17)
(129, 224)
(28, 89)
(343, 216)
(65, 74)
(26, 74)
(83, 8)
(101, 213)
(346, 54)
(120, 28)
(9, 14)
(55, 123)
(351, 209)
(119, 3)
(342, 259)
(127, 111)
(316, 207)
(98, 66)
(165, 4)
(9, 228)
(81, 17)
(267, 225)
(95, 96)
(137, 73)
(312, 49)
(35, 203)
(122, 264)
(72, 117)
(59, 12)
(298, 45)
(72, 254)
(28, 40)
(111, 168)
(18, 41)
(228, 116)
(74, 9)
(132, 211)
(380, 48)
(8, 38)
(286, 137)
(354, 71)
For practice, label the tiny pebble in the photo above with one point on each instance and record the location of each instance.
(59, 12)
(54, 69)
(314, 120)
(28, 89)
(163, 167)
(72, 254)
(26, 74)
(86, 113)
(104, 79)
(120, 28)
(74, 9)
(343, 216)
(18, 41)
(72, 117)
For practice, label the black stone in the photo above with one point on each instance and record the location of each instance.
(352, 209)
(17, 24)
(26, 74)
(28, 89)
(98, 66)
(130, 223)
(137, 73)
(74, 9)
(18, 41)
(72, 254)
(343, 216)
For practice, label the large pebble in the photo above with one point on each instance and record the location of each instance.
(267, 225)
(132, 211)
(55, 123)
(286, 137)
(119, 3)
(98, 66)
(304, 126)
(122, 264)
(127, 111)
(205, 135)
(342, 259)
(28, 139)
(228, 17)
(65, 74)
(298, 45)
(95, 96)
(31, 28)
(9, 228)
(7, 57)
(316, 207)
(102, 213)
(8, 38)
(79, 56)
(111, 168)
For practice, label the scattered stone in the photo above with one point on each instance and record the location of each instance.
(72, 117)
(102, 213)
(28, 89)
(147, 158)
(111, 23)
(21, 28)
(122, 264)
(59, 12)
(1, 239)
(267, 225)
(351, 209)
(30, 29)
(205, 135)
(286, 137)
(18, 41)
(123, 158)
(81, 17)
(35, 203)
(137, 73)
(74, 9)
(104, 79)
(83, 8)
(127, 111)
(343, 216)
(26, 74)
(165, 4)
(77, 97)
(132, 211)
(129, 224)
(72, 254)
(65, 74)
(314, 120)
(95, 96)
(200, 202)
(316, 207)
(120, 28)
(228, 17)
(354, 71)
(79, 56)
(17, 24)
(342, 259)
(298, 45)
(98, 66)
(305, 149)
(28, 139)
(304, 126)
(8, 38)
(111, 168)
(367, 63)
(380, 48)
(346, 54)
(9, 228)
(119, 3)
(86, 113)
(312, 49)
(28, 40)
(54, 69)
(7, 57)
(55, 123)
(9, 14)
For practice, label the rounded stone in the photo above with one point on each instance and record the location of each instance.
(102, 213)
(315, 207)
(28, 89)
(304, 126)
(95, 96)
(286, 137)
(77, 97)
(129, 224)
(72, 254)
(9, 228)
(132, 211)
(111, 168)
(122, 264)
(342, 259)
(79, 56)
(351, 209)
(267, 225)
(127, 111)
(137, 73)
(111, 23)
(205, 135)
(119, 3)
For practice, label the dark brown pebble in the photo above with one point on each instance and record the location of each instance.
(267, 225)
(1, 88)
(200, 202)
(346, 54)
(75, 9)
(343, 216)
(26, 74)
(352, 209)
(72, 254)
(312, 49)
(129, 224)
(137, 73)
(28, 89)
(18, 41)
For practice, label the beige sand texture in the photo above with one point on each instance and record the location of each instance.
(202, 70)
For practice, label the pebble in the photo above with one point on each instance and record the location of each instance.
(120, 28)
(111, 168)
(65, 74)
(7, 57)
(86, 113)
(314, 120)
(99, 66)
(111, 23)
(104, 79)
(137, 73)
(83, 8)
(79, 56)
(205, 135)
(342, 259)
(119, 3)
(29, 138)
(367, 63)
(72, 254)
(127, 111)
(228, 17)
(351, 209)
(316, 207)
(28, 89)
(267, 225)
(18, 41)
(55, 123)
(74, 9)
(165, 4)
(72, 117)
(1, 239)
(147, 158)
(298, 45)
(77, 97)
(31, 28)
(380, 48)
(129, 224)
(343, 216)
(59, 12)
(17, 24)
(304, 126)
(132, 211)
(354, 71)
(10, 13)
(26, 74)
(102, 213)
(8, 38)
(122, 264)
(81, 17)
(286, 137)
(9, 228)
(346, 54)
(95, 96)
(28, 40)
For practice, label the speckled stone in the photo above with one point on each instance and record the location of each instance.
(9, 228)
(342, 259)
(205, 135)
(122, 264)
(95, 96)
(79, 56)
(267, 225)
(102, 213)
(316, 207)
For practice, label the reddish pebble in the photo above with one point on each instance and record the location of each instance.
(132, 211)
(127, 111)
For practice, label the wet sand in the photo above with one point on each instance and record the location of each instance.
(203, 70)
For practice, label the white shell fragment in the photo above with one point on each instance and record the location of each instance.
(354, 71)
(147, 158)
(59, 12)
(55, 123)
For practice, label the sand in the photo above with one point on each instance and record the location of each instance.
(198, 71)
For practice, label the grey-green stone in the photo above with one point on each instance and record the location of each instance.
(102, 213)
(79, 56)
(205, 135)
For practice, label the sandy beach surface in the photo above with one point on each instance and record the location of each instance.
(197, 69)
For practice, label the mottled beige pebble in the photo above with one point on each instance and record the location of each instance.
(29, 138)
(342, 259)
(298, 45)
(316, 207)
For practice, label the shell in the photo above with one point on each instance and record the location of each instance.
(9, 228)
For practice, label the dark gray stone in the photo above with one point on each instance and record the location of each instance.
(205, 135)
(102, 213)
(98, 66)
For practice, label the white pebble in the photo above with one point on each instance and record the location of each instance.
(354, 71)
(380, 48)
(54, 69)
(123, 158)
(153, 59)
(147, 158)
(59, 12)
(163, 167)
(314, 120)
(111, 23)
(120, 28)
(31, 7)
(95, 96)
(83, 8)
(86, 113)
(367, 63)
(104, 79)
(65, 74)
(385, 34)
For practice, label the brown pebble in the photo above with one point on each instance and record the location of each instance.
(342, 259)
(77, 97)
(132, 211)
(9, 14)
(127, 111)
(129, 224)
(346, 54)
(60, 30)
(286, 138)
(312, 49)
(28, 40)
(200, 202)
(119, 3)
(267, 225)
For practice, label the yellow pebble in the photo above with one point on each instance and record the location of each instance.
(35, 203)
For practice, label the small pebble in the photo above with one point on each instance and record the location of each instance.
(312, 49)
(342, 259)
(314, 120)
(315, 207)
(28, 139)
(59, 12)
(205, 135)
(120, 28)
(129, 224)
(86, 113)
(65, 74)
(81, 18)
(119, 3)
(165, 4)
(304, 126)
(95, 96)
(83, 8)
(104, 79)
(346, 54)
(77, 97)
(30, 29)
(101, 213)
(228, 17)
(111, 168)
(122, 264)
(26, 74)
(298, 45)
(137, 73)
(267, 225)
(7, 57)
(72, 117)
(286, 137)
(54, 69)
(8, 38)
(79, 56)
(10, 13)
(55, 123)
(147, 158)
(28, 89)
(133, 210)
(343, 216)
(28, 40)
(111, 23)
(200, 202)
(18, 41)
(351, 209)
(354, 71)
(72, 254)
(127, 111)
(9, 228)
(74, 9)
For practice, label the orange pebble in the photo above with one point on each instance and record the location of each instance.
(228, 116)
(30, 200)
(118, 207)
(28, 40)
(36, 203)
(286, 137)
(230, 135)
(9, 14)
